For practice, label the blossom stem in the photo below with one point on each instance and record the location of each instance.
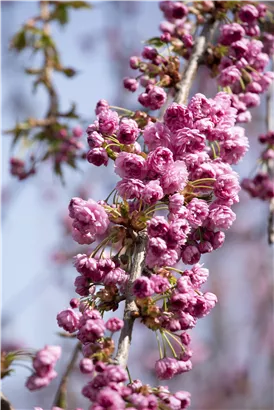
(129, 376)
(176, 270)
(213, 150)
(104, 242)
(157, 209)
(112, 145)
(160, 298)
(203, 179)
(175, 338)
(203, 186)
(121, 109)
(159, 346)
(107, 198)
(60, 398)
(169, 344)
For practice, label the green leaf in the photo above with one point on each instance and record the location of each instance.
(71, 162)
(47, 41)
(40, 136)
(7, 372)
(60, 14)
(19, 41)
(17, 137)
(156, 42)
(69, 72)
(79, 4)
(72, 112)
(59, 172)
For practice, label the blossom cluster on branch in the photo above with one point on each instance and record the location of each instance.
(238, 57)
(262, 185)
(171, 205)
(52, 137)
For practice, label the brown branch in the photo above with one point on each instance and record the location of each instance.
(137, 265)
(49, 60)
(138, 257)
(5, 404)
(61, 395)
(270, 163)
(199, 49)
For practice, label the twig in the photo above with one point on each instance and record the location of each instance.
(190, 70)
(270, 163)
(60, 397)
(138, 257)
(138, 261)
(49, 60)
(5, 404)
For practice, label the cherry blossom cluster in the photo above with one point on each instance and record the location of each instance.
(176, 186)
(179, 186)
(47, 137)
(239, 59)
(107, 390)
(66, 148)
(182, 304)
(43, 364)
(19, 170)
(245, 59)
(262, 184)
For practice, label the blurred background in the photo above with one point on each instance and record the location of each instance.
(234, 345)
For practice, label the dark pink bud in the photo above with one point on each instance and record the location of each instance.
(166, 37)
(77, 131)
(86, 366)
(191, 255)
(248, 13)
(74, 303)
(263, 138)
(179, 10)
(131, 84)
(63, 133)
(188, 40)
(134, 62)
(261, 9)
(218, 240)
(95, 140)
(149, 52)
(205, 247)
(143, 287)
(98, 156)
(114, 324)
(144, 99)
(185, 338)
(101, 106)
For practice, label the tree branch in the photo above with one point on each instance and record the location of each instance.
(138, 257)
(137, 265)
(61, 395)
(270, 163)
(190, 70)
(49, 57)
(5, 404)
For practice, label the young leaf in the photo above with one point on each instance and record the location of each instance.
(60, 14)
(19, 41)
(156, 42)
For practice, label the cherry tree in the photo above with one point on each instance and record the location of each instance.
(175, 157)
